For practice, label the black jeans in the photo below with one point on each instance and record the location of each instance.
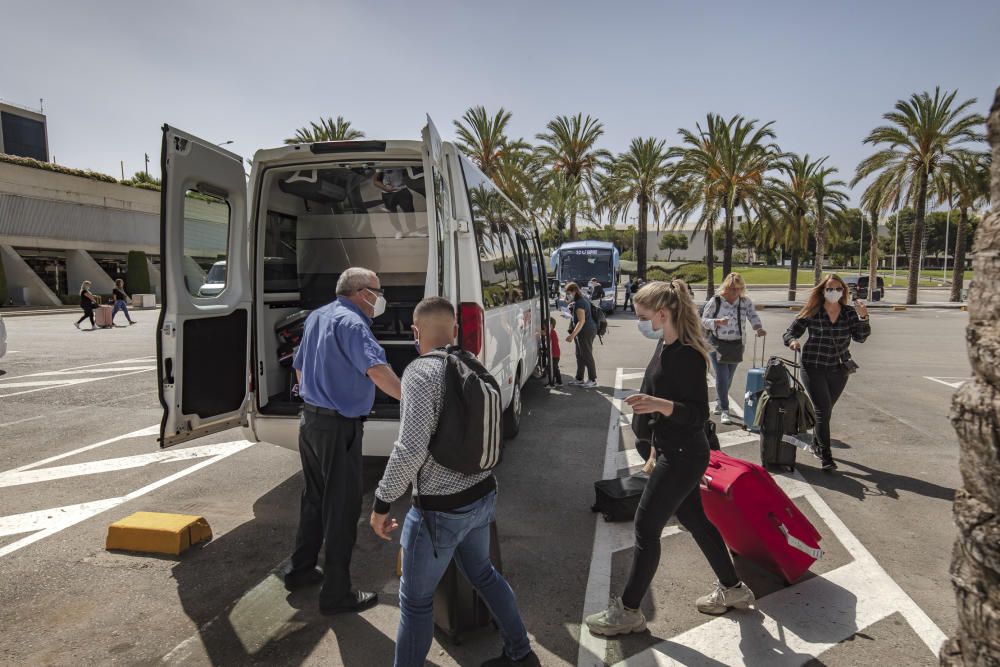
(330, 448)
(673, 488)
(825, 385)
(585, 355)
(556, 375)
(88, 312)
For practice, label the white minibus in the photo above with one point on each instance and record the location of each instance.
(418, 213)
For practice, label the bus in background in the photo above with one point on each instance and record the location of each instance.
(579, 261)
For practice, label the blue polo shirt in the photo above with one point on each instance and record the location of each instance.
(336, 351)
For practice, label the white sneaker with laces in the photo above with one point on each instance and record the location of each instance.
(723, 599)
(725, 419)
(616, 620)
(590, 384)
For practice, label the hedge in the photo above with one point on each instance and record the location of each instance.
(137, 274)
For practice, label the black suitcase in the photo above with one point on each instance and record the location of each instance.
(458, 609)
(618, 499)
(779, 418)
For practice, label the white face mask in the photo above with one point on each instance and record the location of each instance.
(647, 330)
(833, 296)
(379, 306)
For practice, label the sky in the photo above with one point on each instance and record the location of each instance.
(111, 73)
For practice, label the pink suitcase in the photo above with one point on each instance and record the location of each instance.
(102, 316)
(756, 519)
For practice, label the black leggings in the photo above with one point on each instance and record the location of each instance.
(87, 313)
(585, 356)
(825, 385)
(673, 488)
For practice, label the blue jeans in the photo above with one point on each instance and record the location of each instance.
(465, 534)
(724, 374)
(120, 305)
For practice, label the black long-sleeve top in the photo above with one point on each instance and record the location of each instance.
(677, 373)
(828, 341)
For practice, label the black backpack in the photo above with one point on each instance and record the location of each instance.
(600, 319)
(469, 430)
(777, 379)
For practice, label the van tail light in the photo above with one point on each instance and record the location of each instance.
(471, 327)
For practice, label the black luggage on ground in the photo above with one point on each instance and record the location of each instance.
(779, 418)
(458, 609)
(618, 499)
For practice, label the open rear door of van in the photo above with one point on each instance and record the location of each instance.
(441, 260)
(203, 338)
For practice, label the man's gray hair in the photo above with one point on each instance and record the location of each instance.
(354, 279)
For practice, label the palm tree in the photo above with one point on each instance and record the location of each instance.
(484, 140)
(964, 179)
(326, 130)
(561, 200)
(922, 132)
(795, 200)
(570, 146)
(731, 158)
(878, 199)
(638, 177)
(975, 568)
(828, 200)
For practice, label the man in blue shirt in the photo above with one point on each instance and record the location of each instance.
(339, 363)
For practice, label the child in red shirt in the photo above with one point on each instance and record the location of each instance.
(554, 344)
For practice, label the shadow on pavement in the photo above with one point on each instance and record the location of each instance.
(865, 481)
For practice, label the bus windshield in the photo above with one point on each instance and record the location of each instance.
(581, 264)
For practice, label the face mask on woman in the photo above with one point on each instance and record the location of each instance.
(647, 330)
(832, 294)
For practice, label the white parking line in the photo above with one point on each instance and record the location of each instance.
(62, 383)
(46, 523)
(149, 430)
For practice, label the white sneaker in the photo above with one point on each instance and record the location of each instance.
(725, 419)
(588, 385)
(723, 599)
(616, 620)
(574, 382)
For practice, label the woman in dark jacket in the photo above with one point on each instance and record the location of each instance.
(583, 333)
(87, 302)
(678, 403)
(826, 357)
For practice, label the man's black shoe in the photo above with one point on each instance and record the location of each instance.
(816, 450)
(829, 464)
(530, 660)
(354, 602)
(297, 579)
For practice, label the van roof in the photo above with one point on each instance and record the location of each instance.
(327, 150)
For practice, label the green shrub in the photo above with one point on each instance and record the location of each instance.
(48, 166)
(656, 273)
(628, 256)
(692, 273)
(137, 274)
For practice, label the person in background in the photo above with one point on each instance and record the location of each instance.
(583, 333)
(121, 301)
(87, 302)
(678, 398)
(338, 363)
(554, 346)
(722, 316)
(826, 358)
(596, 290)
(451, 511)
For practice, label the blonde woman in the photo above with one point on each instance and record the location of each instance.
(722, 316)
(87, 302)
(678, 401)
(826, 357)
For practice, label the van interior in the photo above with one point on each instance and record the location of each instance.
(322, 220)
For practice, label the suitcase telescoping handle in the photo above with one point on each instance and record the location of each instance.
(763, 346)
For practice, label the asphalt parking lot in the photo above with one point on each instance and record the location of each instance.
(78, 451)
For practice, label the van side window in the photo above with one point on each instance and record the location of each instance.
(512, 267)
(491, 266)
(530, 267)
(206, 244)
(280, 261)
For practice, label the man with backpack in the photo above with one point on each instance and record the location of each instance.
(449, 442)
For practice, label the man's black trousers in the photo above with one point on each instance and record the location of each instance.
(330, 447)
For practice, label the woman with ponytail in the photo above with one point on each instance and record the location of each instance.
(678, 402)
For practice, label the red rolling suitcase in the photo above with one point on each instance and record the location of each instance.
(756, 519)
